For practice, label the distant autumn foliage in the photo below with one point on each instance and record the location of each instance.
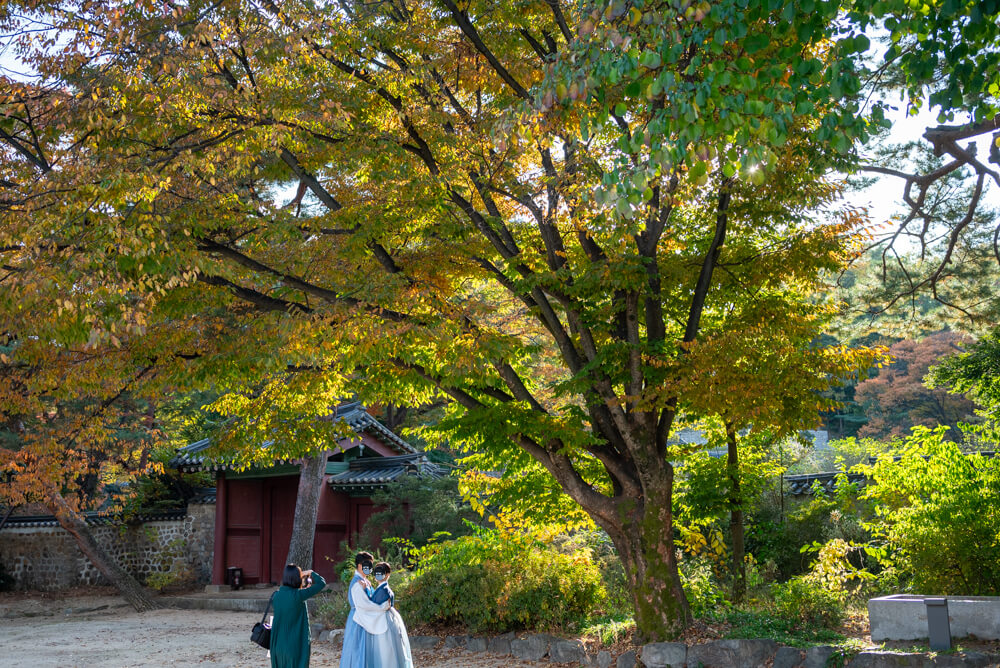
(897, 399)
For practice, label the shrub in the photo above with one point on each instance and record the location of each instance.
(819, 598)
(938, 516)
(332, 610)
(808, 602)
(822, 518)
(704, 592)
(499, 580)
(618, 602)
(163, 580)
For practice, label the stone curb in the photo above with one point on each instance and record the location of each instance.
(257, 605)
(729, 653)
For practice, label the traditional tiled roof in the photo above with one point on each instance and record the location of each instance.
(203, 495)
(360, 420)
(804, 485)
(371, 472)
(190, 458)
(95, 519)
(989, 454)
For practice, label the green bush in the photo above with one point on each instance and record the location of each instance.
(501, 581)
(332, 610)
(618, 602)
(822, 518)
(808, 603)
(704, 592)
(939, 516)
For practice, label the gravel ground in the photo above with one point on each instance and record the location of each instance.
(66, 633)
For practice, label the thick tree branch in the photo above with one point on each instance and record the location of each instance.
(560, 19)
(311, 182)
(328, 200)
(562, 469)
(708, 264)
(297, 283)
(262, 302)
(469, 30)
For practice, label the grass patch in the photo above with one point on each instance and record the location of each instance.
(610, 630)
(762, 624)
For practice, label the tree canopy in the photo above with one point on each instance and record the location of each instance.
(973, 372)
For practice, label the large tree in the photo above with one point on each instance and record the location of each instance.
(575, 222)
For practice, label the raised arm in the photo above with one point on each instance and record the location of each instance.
(316, 587)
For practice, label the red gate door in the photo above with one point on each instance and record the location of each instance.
(283, 492)
(243, 527)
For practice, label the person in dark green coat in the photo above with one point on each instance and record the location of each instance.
(291, 641)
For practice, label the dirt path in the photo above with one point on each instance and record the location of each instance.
(68, 633)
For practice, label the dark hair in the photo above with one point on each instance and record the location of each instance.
(362, 557)
(292, 577)
(383, 567)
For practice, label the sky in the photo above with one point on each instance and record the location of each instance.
(885, 198)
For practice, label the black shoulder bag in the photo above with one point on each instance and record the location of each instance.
(261, 633)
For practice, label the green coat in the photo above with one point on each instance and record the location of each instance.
(290, 637)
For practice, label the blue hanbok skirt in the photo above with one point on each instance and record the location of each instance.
(390, 649)
(356, 653)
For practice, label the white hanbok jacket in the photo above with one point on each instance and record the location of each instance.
(369, 616)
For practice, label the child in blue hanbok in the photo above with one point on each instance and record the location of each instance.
(392, 648)
(364, 620)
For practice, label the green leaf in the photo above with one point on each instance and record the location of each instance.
(650, 59)
(756, 42)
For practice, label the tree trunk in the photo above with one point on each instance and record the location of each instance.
(394, 416)
(311, 477)
(6, 516)
(645, 543)
(73, 522)
(736, 516)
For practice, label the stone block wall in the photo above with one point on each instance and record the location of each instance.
(200, 530)
(47, 558)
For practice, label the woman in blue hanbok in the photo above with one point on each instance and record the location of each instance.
(392, 648)
(364, 619)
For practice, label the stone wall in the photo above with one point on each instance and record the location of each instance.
(734, 653)
(48, 558)
(200, 527)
